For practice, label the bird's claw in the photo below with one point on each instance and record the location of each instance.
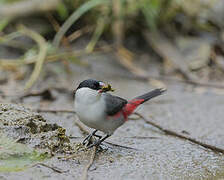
(87, 139)
(96, 143)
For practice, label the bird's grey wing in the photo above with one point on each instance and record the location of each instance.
(114, 104)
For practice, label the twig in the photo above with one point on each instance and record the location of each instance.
(54, 111)
(132, 118)
(82, 128)
(175, 134)
(85, 171)
(142, 137)
(121, 146)
(75, 35)
(45, 94)
(53, 168)
(75, 137)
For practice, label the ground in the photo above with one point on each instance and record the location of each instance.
(193, 111)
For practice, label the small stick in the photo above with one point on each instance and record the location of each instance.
(142, 137)
(55, 111)
(85, 171)
(53, 168)
(82, 128)
(121, 146)
(175, 134)
(45, 94)
(79, 33)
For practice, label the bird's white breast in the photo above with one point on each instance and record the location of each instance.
(89, 106)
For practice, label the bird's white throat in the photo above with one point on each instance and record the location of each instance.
(90, 107)
(87, 96)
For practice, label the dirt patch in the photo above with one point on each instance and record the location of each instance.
(30, 128)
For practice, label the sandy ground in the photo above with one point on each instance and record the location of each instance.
(196, 111)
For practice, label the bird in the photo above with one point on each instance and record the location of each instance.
(102, 111)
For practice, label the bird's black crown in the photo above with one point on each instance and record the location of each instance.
(90, 83)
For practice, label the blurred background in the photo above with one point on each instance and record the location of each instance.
(157, 41)
(47, 47)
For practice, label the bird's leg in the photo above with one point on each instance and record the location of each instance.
(89, 137)
(98, 142)
(96, 135)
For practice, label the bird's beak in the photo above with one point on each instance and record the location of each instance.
(106, 88)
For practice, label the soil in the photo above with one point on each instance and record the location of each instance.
(194, 111)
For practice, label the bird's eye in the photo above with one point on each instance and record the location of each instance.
(101, 84)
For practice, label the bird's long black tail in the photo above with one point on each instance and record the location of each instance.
(134, 103)
(151, 94)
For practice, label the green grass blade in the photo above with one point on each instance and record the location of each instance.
(4, 23)
(74, 17)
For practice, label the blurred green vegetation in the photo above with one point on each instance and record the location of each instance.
(129, 14)
(8, 1)
(16, 156)
(67, 20)
(152, 13)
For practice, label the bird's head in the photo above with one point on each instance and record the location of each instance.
(95, 85)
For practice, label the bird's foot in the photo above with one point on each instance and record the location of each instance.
(96, 143)
(96, 135)
(87, 139)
